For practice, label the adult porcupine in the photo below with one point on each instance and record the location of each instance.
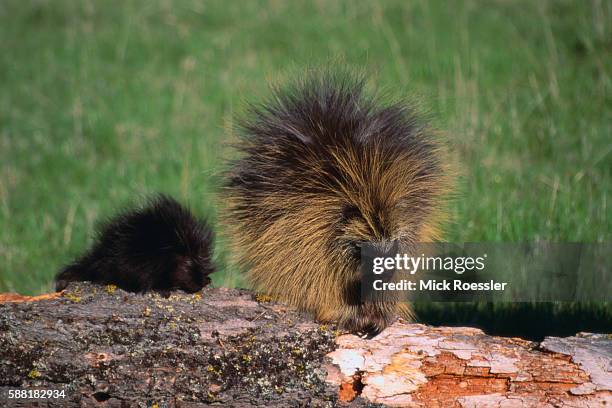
(160, 246)
(325, 167)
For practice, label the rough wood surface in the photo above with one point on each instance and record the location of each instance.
(422, 366)
(105, 347)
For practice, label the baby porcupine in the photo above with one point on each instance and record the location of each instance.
(325, 167)
(159, 247)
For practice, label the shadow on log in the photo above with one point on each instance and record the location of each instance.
(104, 347)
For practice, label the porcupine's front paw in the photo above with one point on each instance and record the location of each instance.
(366, 320)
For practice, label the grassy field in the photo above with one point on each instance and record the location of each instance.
(102, 103)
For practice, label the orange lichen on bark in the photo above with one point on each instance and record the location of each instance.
(16, 297)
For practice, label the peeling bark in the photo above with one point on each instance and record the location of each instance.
(420, 366)
(222, 347)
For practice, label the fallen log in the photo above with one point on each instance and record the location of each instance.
(102, 347)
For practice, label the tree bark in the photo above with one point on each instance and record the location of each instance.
(104, 347)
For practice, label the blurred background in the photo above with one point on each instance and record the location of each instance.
(104, 102)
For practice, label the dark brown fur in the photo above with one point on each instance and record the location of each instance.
(160, 247)
(325, 167)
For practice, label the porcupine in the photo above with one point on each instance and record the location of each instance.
(157, 247)
(324, 166)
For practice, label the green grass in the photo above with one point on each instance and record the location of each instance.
(102, 103)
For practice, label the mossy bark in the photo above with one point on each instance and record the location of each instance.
(104, 347)
(107, 347)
